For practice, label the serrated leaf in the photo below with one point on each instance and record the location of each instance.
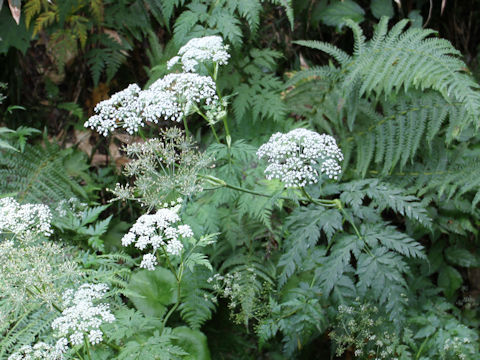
(197, 259)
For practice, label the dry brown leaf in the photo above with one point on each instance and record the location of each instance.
(15, 6)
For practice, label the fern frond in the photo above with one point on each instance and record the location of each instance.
(38, 175)
(384, 196)
(197, 305)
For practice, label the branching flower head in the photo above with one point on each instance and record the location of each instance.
(208, 49)
(163, 168)
(40, 351)
(300, 157)
(158, 231)
(24, 221)
(81, 319)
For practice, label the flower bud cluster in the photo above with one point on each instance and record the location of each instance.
(81, 318)
(40, 351)
(300, 157)
(158, 230)
(201, 50)
(24, 221)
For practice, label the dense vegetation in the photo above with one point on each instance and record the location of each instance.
(200, 179)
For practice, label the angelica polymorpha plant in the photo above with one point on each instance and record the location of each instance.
(173, 97)
(169, 244)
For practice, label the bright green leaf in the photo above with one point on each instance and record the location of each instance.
(194, 342)
(152, 291)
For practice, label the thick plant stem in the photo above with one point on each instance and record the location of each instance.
(87, 346)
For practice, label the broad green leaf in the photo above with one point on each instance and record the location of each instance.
(461, 257)
(152, 291)
(194, 342)
(11, 34)
(339, 11)
(450, 280)
(382, 8)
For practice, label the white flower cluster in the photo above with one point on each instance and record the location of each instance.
(174, 95)
(158, 230)
(122, 109)
(81, 317)
(25, 220)
(171, 97)
(201, 50)
(299, 157)
(40, 351)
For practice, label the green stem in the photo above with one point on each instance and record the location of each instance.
(216, 181)
(87, 346)
(187, 133)
(178, 277)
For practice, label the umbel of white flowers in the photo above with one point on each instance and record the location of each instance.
(81, 319)
(158, 230)
(24, 221)
(300, 157)
(171, 98)
(209, 49)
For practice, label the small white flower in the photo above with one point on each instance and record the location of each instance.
(148, 262)
(299, 157)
